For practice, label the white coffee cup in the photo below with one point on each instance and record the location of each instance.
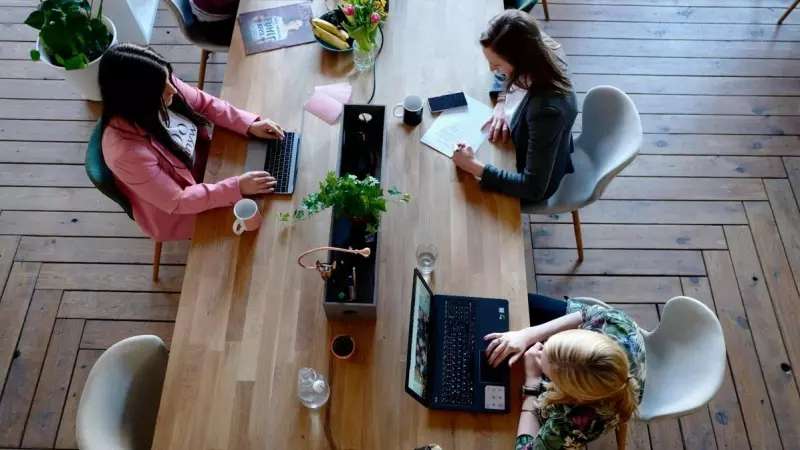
(248, 217)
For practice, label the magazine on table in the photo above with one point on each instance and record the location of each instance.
(273, 28)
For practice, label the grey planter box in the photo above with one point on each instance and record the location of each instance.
(361, 154)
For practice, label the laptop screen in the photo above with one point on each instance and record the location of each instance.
(418, 338)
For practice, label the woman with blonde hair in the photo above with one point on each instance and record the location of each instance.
(584, 372)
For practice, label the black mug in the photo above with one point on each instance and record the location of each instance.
(412, 110)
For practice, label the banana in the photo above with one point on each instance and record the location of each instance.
(331, 28)
(329, 38)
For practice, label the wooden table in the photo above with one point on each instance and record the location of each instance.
(249, 317)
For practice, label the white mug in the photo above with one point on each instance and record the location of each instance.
(248, 218)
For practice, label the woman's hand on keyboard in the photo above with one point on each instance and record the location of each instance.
(255, 183)
(266, 129)
(503, 345)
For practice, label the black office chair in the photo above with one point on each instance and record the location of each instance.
(527, 6)
(191, 32)
(103, 179)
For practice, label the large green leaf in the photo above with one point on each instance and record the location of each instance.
(59, 39)
(76, 62)
(35, 20)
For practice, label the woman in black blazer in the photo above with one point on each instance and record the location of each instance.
(541, 127)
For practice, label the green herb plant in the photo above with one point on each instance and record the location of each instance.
(348, 196)
(68, 32)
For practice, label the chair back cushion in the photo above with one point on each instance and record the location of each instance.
(119, 402)
(611, 134)
(610, 138)
(100, 174)
(686, 360)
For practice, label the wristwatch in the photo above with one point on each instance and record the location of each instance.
(528, 391)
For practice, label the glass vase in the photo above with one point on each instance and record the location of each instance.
(365, 51)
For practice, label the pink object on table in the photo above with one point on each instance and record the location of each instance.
(248, 217)
(325, 107)
(340, 92)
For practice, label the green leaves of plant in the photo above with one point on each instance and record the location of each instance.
(76, 62)
(69, 35)
(35, 20)
(348, 196)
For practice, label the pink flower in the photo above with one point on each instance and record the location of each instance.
(348, 10)
(375, 18)
(581, 421)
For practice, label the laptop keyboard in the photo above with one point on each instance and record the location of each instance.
(279, 161)
(458, 380)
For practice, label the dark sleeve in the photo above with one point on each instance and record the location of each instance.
(545, 127)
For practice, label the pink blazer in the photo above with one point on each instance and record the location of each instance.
(163, 193)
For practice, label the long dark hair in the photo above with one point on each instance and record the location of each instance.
(132, 80)
(515, 37)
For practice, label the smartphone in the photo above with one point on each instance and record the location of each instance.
(443, 102)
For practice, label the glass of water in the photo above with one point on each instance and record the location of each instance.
(426, 257)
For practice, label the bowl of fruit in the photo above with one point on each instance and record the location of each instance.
(330, 34)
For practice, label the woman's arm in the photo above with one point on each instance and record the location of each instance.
(528, 421)
(141, 172)
(545, 126)
(529, 425)
(541, 333)
(219, 112)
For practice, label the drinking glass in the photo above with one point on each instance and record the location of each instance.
(426, 257)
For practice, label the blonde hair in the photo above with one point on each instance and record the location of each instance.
(587, 367)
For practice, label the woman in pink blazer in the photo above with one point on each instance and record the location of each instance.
(155, 141)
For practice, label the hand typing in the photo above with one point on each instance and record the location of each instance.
(255, 183)
(266, 129)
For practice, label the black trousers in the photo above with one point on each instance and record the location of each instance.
(543, 309)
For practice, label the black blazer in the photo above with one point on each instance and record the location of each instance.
(541, 130)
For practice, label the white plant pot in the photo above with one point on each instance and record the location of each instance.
(83, 80)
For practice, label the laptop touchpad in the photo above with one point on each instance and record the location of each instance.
(490, 374)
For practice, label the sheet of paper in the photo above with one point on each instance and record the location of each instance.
(340, 92)
(456, 125)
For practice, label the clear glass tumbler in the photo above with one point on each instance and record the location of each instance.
(426, 257)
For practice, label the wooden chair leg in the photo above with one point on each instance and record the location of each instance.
(622, 434)
(576, 224)
(788, 10)
(156, 260)
(546, 12)
(201, 77)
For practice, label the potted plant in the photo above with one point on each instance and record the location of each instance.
(363, 21)
(72, 41)
(343, 346)
(359, 200)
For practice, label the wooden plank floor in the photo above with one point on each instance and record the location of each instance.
(709, 210)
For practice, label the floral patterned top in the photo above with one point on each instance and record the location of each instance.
(570, 427)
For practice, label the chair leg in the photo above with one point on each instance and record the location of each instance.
(156, 260)
(576, 224)
(546, 12)
(622, 434)
(201, 77)
(788, 10)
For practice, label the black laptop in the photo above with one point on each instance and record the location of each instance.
(447, 366)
